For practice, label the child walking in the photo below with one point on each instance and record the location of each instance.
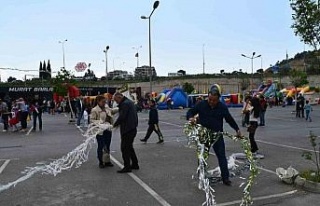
(153, 123)
(308, 109)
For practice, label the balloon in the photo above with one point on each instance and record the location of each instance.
(80, 67)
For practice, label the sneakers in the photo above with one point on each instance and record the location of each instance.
(160, 141)
(4, 130)
(257, 155)
(143, 140)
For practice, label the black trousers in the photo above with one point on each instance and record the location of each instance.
(151, 128)
(252, 131)
(5, 121)
(23, 119)
(35, 116)
(128, 153)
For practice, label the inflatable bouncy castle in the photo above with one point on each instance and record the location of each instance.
(268, 89)
(176, 97)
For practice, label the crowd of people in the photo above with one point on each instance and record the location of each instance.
(21, 111)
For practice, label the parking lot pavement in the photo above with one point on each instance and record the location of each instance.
(166, 170)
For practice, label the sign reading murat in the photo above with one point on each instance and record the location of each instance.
(30, 89)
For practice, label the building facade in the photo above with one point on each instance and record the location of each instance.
(144, 72)
(120, 74)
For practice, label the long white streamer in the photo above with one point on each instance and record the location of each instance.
(75, 158)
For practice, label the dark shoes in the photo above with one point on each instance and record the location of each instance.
(143, 140)
(160, 141)
(124, 170)
(103, 165)
(108, 164)
(135, 167)
(226, 182)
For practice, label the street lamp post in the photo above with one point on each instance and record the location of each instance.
(155, 5)
(63, 53)
(252, 58)
(106, 53)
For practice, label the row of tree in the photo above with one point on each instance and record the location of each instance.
(45, 70)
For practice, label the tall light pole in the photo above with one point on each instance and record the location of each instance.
(106, 53)
(155, 5)
(252, 58)
(63, 53)
(203, 59)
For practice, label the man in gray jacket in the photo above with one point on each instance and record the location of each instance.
(128, 122)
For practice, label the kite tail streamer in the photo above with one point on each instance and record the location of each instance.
(204, 138)
(75, 158)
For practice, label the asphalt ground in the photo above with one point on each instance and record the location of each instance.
(166, 170)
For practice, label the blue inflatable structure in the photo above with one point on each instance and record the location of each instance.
(178, 98)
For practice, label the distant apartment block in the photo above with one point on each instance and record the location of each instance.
(144, 72)
(119, 74)
(177, 74)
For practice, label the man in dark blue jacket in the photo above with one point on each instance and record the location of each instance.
(153, 123)
(211, 114)
(128, 122)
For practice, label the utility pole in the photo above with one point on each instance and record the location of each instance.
(203, 60)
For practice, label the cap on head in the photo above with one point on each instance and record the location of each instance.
(215, 90)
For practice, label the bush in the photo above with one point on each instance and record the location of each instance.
(314, 157)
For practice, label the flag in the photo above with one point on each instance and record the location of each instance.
(137, 55)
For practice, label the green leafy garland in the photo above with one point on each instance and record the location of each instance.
(197, 133)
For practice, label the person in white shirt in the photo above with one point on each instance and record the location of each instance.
(103, 115)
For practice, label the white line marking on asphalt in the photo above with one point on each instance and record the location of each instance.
(286, 146)
(31, 128)
(270, 143)
(162, 130)
(6, 162)
(261, 168)
(10, 159)
(260, 198)
(143, 185)
(171, 124)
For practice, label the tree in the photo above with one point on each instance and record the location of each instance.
(11, 79)
(188, 87)
(244, 84)
(40, 70)
(61, 82)
(298, 78)
(306, 17)
(89, 75)
(48, 71)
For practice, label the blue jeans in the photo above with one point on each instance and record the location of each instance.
(79, 117)
(103, 141)
(262, 115)
(220, 150)
(308, 115)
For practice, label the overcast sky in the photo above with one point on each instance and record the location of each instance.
(30, 31)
